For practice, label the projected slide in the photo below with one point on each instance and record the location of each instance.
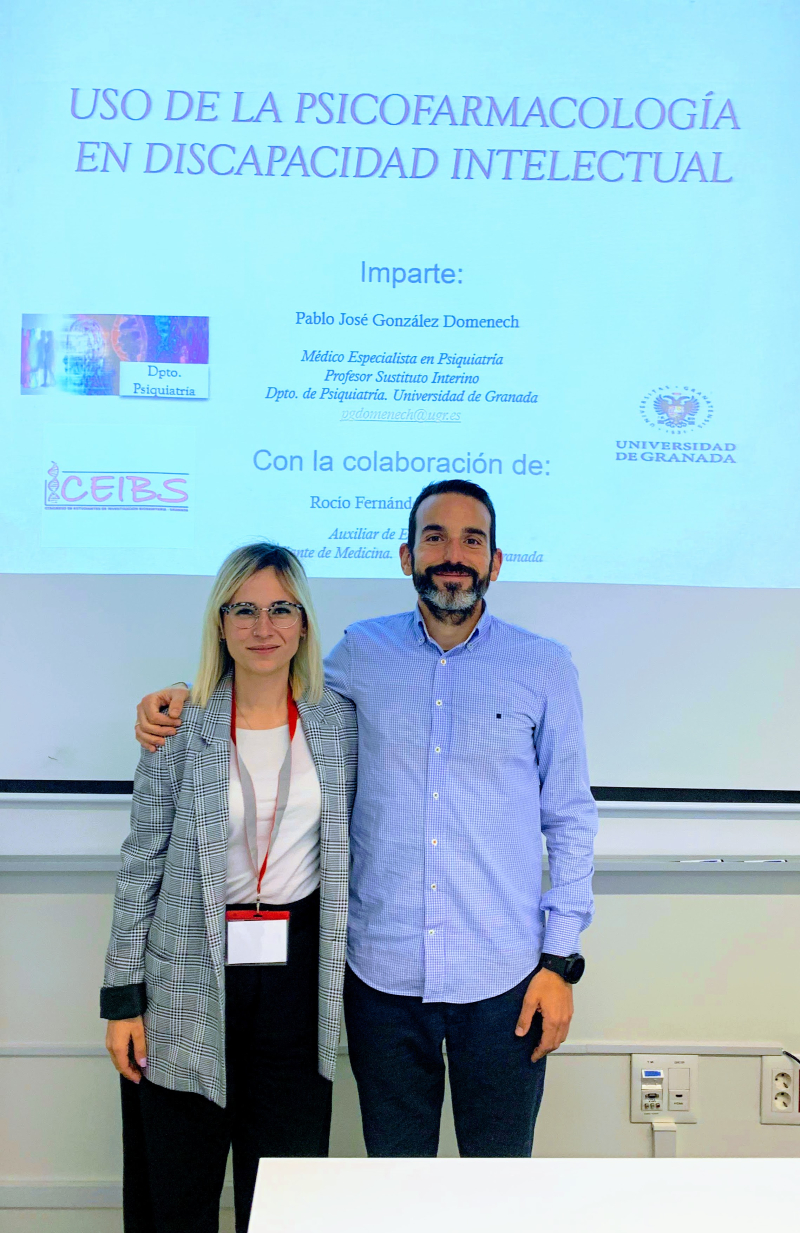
(273, 278)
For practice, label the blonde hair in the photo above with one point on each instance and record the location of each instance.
(306, 675)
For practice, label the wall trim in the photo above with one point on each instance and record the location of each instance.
(713, 865)
(595, 1048)
(35, 1049)
(632, 795)
(612, 807)
(70, 1195)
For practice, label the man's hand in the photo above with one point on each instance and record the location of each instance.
(552, 996)
(151, 726)
(126, 1043)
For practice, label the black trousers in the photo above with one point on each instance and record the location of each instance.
(396, 1054)
(176, 1144)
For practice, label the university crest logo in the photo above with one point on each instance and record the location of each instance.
(676, 409)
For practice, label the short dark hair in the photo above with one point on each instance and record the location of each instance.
(465, 489)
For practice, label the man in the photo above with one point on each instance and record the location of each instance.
(470, 748)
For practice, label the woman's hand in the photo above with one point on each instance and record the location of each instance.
(125, 1040)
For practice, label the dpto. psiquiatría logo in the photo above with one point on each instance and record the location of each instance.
(676, 409)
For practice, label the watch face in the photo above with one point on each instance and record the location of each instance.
(576, 965)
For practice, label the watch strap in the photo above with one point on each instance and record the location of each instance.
(569, 967)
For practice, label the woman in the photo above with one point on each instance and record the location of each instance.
(223, 1016)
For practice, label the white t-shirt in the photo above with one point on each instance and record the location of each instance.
(293, 868)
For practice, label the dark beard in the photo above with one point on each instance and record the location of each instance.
(451, 606)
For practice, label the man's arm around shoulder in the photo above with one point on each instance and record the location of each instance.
(337, 669)
(158, 715)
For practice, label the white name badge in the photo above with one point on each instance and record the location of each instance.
(257, 939)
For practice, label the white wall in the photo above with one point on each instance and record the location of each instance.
(681, 966)
(697, 686)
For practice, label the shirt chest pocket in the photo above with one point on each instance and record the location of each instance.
(492, 729)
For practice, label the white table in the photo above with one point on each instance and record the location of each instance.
(526, 1196)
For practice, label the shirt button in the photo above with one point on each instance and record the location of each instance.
(433, 886)
(438, 749)
(442, 661)
(430, 931)
(438, 702)
(434, 842)
(436, 796)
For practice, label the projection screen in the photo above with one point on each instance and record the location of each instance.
(269, 269)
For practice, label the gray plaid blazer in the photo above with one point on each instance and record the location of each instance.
(166, 955)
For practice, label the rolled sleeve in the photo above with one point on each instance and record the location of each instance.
(123, 1001)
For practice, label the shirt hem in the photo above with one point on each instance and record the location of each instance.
(449, 1001)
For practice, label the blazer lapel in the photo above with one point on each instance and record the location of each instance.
(315, 728)
(211, 775)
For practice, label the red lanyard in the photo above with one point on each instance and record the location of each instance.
(249, 796)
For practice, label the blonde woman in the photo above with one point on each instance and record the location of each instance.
(224, 971)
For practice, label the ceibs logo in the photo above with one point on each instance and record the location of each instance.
(167, 491)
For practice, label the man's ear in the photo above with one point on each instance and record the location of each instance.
(406, 561)
(497, 561)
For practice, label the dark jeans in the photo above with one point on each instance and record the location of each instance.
(176, 1144)
(396, 1053)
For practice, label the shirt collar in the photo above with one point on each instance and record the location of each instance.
(479, 632)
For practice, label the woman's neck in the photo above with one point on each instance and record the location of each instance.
(261, 700)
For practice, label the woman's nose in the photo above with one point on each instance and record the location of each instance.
(263, 625)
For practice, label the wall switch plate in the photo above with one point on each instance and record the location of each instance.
(664, 1085)
(780, 1091)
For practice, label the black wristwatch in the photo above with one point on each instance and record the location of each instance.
(570, 967)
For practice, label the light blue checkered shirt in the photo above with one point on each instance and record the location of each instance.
(465, 758)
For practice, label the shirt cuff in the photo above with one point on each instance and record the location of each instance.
(123, 1001)
(562, 935)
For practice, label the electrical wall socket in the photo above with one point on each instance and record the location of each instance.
(664, 1086)
(780, 1091)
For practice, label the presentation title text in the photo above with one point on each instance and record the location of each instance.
(626, 118)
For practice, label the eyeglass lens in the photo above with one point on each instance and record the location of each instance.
(282, 616)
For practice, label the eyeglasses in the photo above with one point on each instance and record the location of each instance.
(282, 614)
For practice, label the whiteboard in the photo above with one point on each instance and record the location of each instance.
(683, 687)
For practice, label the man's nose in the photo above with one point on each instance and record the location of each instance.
(453, 551)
